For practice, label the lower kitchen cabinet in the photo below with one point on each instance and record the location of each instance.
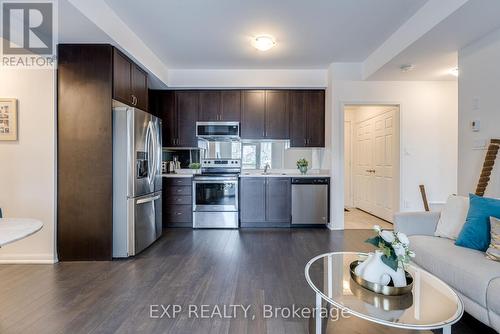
(265, 201)
(177, 202)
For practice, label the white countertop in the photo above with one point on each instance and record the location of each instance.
(260, 173)
(13, 229)
(177, 175)
(284, 173)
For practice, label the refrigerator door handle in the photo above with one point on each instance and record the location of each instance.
(151, 158)
(148, 199)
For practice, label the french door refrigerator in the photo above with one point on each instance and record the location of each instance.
(137, 181)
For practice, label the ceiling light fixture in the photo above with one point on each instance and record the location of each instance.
(407, 67)
(264, 42)
(454, 71)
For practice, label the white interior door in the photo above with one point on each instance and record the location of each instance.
(363, 180)
(375, 164)
(348, 164)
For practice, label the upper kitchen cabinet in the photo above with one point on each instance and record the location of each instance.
(130, 82)
(277, 124)
(162, 104)
(187, 109)
(253, 114)
(216, 105)
(230, 106)
(307, 118)
(265, 114)
(210, 106)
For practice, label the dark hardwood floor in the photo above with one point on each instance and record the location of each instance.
(213, 267)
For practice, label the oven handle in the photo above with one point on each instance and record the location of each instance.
(214, 180)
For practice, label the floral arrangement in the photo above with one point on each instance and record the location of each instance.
(394, 245)
(302, 163)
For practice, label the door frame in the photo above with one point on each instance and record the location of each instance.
(338, 201)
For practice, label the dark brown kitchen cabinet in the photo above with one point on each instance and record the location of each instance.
(177, 202)
(217, 105)
(122, 73)
(265, 114)
(210, 106)
(252, 200)
(265, 201)
(231, 105)
(253, 114)
(162, 103)
(307, 118)
(276, 124)
(187, 108)
(278, 200)
(140, 87)
(130, 82)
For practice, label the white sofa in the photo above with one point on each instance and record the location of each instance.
(474, 277)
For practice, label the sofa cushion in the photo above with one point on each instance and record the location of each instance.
(467, 271)
(452, 217)
(476, 231)
(493, 252)
(493, 297)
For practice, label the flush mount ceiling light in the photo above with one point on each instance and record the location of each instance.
(407, 67)
(264, 42)
(454, 71)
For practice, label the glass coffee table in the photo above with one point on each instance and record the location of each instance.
(431, 305)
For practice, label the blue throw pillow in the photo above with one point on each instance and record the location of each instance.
(475, 233)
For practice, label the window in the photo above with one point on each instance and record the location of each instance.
(249, 156)
(256, 154)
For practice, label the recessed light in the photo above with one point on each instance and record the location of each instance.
(407, 67)
(264, 42)
(454, 71)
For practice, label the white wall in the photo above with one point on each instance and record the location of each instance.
(479, 99)
(27, 168)
(243, 78)
(428, 117)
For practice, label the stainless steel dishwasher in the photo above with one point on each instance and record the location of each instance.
(310, 200)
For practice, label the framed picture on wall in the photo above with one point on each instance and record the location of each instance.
(8, 119)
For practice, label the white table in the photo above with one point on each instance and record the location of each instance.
(13, 229)
(431, 305)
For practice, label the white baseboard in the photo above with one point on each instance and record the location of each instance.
(27, 259)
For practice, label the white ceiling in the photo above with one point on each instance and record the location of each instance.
(204, 34)
(436, 52)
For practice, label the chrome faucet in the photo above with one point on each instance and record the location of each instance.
(266, 167)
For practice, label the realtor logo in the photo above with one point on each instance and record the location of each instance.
(28, 34)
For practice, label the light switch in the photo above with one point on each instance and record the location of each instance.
(475, 125)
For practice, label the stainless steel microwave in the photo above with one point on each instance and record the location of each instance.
(218, 130)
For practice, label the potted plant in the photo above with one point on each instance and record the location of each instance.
(196, 166)
(302, 165)
(388, 262)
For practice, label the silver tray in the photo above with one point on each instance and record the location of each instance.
(385, 290)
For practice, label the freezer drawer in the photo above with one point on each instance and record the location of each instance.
(137, 223)
(147, 217)
(309, 204)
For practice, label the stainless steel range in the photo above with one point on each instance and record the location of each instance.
(215, 194)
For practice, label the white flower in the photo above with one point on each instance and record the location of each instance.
(377, 228)
(403, 238)
(411, 253)
(399, 249)
(388, 236)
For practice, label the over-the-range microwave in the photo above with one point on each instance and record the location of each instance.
(219, 131)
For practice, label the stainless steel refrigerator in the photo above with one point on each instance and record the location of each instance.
(137, 183)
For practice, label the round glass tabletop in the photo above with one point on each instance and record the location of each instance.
(431, 305)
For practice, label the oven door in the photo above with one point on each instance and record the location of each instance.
(215, 194)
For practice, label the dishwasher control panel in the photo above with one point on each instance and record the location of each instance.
(311, 180)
